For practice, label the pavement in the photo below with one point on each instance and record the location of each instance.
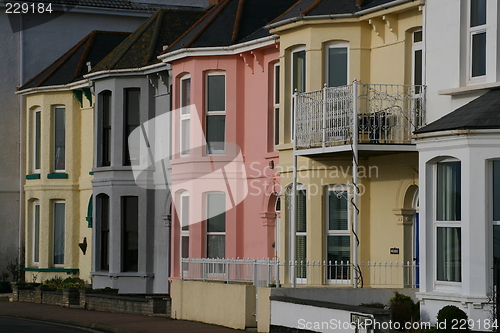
(105, 321)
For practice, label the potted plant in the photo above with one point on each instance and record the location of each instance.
(4, 284)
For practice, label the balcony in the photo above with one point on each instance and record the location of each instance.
(368, 116)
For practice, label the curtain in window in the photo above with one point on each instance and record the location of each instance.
(449, 256)
(448, 191)
(59, 215)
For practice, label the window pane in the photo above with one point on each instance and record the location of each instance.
(106, 128)
(185, 247)
(449, 256)
(448, 191)
(59, 138)
(130, 218)
(338, 255)
(185, 212)
(216, 246)
(417, 68)
(185, 124)
(299, 71)
(103, 201)
(479, 54)
(301, 256)
(216, 134)
(496, 255)
(36, 233)
(477, 12)
(216, 93)
(185, 93)
(337, 66)
(216, 209)
(276, 84)
(496, 191)
(132, 117)
(417, 36)
(37, 140)
(337, 211)
(59, 216)
(276, 126)
(301, 211)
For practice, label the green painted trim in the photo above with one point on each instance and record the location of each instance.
(33, 176)
(53, 269)
(88, 95)
(57, 175)
(91, 173)
(79, 96)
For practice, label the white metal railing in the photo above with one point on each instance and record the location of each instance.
(386, 114)
(270, 272)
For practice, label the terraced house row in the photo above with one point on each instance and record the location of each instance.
(306, 153)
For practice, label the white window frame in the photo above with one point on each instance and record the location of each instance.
(184, 117)
(297, 49)
(36, 232)
(439, 284)
(37, 138)
(216, 112)
(54, 148)
(415, 47)
(472, 31)
(54, 203)
(329, 189)
(301, 280)
(328, 47)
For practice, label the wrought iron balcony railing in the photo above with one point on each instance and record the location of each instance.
(376, 113)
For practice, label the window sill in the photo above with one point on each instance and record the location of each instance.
(33, 176)
(471, 88)
(53, 269)
(59, 175)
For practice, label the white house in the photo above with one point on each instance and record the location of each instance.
(459, 158)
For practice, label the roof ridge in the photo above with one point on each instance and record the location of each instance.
(156, 36)
(218, 9)
(85, 53)
(138, 33)
(237, 21)
(311, 7)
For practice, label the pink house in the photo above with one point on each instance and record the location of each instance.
(225, 74)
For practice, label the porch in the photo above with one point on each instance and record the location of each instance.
(369, 116)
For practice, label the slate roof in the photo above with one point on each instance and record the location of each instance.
(72, 65)
(481, 113)
(307, 8)
(232, 22)
(114, 4)
(143, 46)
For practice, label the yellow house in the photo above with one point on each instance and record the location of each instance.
(59, 150)
(350, 96)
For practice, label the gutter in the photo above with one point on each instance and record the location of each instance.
(219, 50)
(125, 71)
(337, 16)
(462, 132)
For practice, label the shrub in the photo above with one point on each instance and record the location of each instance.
(404, 309)
(451, 319)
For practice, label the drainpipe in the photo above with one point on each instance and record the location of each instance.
(21, 143)
(293, 215)
(355, 180)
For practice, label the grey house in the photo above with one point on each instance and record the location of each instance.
(31, 42)
(132, 220)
